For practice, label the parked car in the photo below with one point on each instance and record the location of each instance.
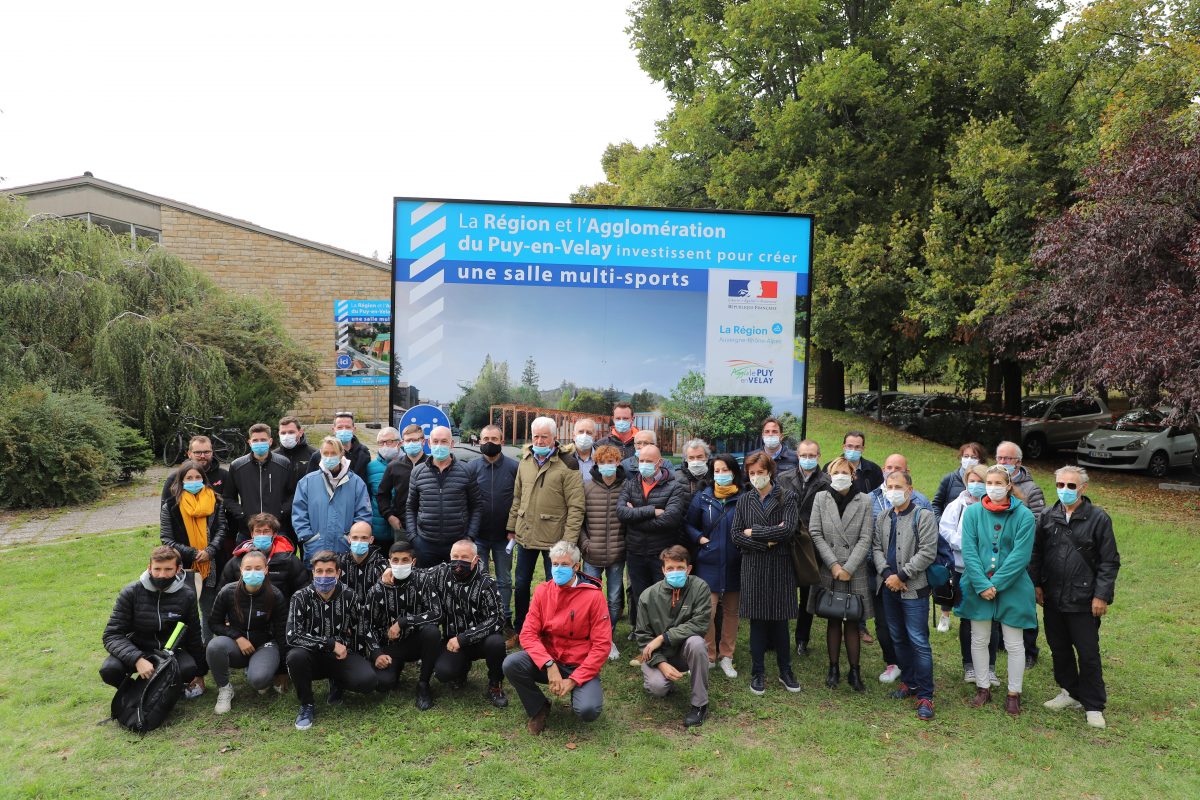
(940, 417)
(867, 403)
(1059, 423)
(1140, 440)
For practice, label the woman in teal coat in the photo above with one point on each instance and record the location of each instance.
(997, 542)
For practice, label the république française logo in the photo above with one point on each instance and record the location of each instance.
(754, 290)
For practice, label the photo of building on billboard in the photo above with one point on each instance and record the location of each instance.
(629, 301)
(363, 342)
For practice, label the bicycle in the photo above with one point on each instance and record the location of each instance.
(227, 443)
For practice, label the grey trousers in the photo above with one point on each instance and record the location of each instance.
(261, 665)
(586, 701)
(692, 657)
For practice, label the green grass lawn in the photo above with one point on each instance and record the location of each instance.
(54, 601)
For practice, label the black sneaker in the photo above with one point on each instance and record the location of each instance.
(458, 684)
(1031, 661)
(789, 681)
(696, 716)
(335, 694)
(802, 648)
(758, 684)
(304, 719)
(495, 694)
(424, 696)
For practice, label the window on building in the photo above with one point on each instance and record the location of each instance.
(137, 236)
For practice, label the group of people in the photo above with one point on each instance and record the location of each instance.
(331, 563)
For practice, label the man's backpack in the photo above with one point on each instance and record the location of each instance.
(143, 705)
(940, 573)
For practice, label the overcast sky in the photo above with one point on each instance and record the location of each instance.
(308, 118)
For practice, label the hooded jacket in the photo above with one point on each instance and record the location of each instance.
(674, 614)
(322, 521)
(144, 618)
(547, 500)
(443, 504)
(569, 625)
(602, 539)
(260, 618)
(287, 571)
(412, 602)
(258, 487)
(359, 455)
(646, 533)
(1075, 560)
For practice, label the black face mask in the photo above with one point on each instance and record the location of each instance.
(461, 570)
(490, 449)
(162, 584)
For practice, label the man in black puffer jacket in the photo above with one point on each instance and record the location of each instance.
(144, 618)
(443, 502)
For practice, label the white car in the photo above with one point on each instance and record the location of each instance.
(1140, 440)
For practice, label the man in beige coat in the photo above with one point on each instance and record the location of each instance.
(547, 507)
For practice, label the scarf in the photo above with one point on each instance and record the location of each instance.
(724, 492)
(195, 510)
(843, 500)
(331, 482)
(992, 506)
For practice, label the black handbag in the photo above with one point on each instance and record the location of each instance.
(843, 605)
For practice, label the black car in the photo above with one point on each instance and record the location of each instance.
(867, 403)
(939, 417)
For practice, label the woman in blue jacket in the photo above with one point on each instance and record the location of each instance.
(709, 525)
(997, 542)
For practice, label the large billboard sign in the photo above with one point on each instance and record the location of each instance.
(602, 296)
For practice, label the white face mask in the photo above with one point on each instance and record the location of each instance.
(895, 496)
(583, 442)
(760, 481)
(401, 571)
(771, 442)
(997, 493)
(288, 440)
(969, 461)
(841, 482)
(698, 468)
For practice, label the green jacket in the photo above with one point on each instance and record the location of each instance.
(547, 501)
(656, 617)
(1014, 604)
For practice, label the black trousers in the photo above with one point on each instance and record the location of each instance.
(424, 644)
(644, 572)
(1074, 640)
(804, 620)
(352, 672)
(452, 667)
(112, 671)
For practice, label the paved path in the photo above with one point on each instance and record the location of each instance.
(137, 506)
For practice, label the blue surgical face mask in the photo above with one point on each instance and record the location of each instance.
(607, 470)
(360, 548)
(1068, 496)
(540, 451)
(344, 436)
(1009, 468)
(723, 478)
(562, 575)
(330, 462)
(253, 577)
(808, 464)
(676, 579)
(325, 584)
(622, 425)
(648, 470)
(852, 455)
(193, 487)
(413, 449)
(263, 543)
(584, 442)
(440, 452)
(771, 442)
(977, 489)
(260, 449)
(388, 453)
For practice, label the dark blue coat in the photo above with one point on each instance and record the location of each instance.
(495, 483)
(718, 563)
(951, 487)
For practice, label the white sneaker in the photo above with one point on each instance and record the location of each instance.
(968, 674)
(224, 699)
(1061, 701)
(992, 679)
(890, 674)
(613, 652)
(1096, 719)
(727, 667)
(943, 625)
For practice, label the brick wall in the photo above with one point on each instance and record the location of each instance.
(306, 281)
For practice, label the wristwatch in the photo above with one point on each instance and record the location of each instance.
(548, 664)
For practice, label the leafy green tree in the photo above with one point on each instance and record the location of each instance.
(491, 387)
(588, 401)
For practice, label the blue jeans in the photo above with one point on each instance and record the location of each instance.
(526, 560)
(614, 589)
(908, 623)
(497, 551)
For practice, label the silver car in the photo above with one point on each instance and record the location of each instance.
(1140, 440)
(1058, 423)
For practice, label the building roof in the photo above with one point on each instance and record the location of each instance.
(106, 186)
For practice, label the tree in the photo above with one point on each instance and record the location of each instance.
(490, 388)
(713, 417)
(588, 401)
(529, 375)
(645, 400)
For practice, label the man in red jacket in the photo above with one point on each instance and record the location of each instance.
(566, 638)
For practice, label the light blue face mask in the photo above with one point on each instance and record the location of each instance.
(360, 548)
(344, 436)
(1068, 496)
(723, 478)
(253, 577)
(562, 575)
(1011, 469)
(852, 455)
(607, 470)
(193, 487)
(808, 464)
(330, 462)
(676, 579)
(977, 489)
(260, 449)
(541, 452)
(648, 470)
(413, 449)
(622, 425)
(263, 543)
(440, 452)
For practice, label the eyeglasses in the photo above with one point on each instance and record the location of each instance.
(1063, 485)
(200, 452)
(389, 442)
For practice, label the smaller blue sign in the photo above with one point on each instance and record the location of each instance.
(344, 361)
(428, 417)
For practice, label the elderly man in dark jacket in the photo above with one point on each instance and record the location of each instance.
(1074, 569)
(443, 502)
(651, 506)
